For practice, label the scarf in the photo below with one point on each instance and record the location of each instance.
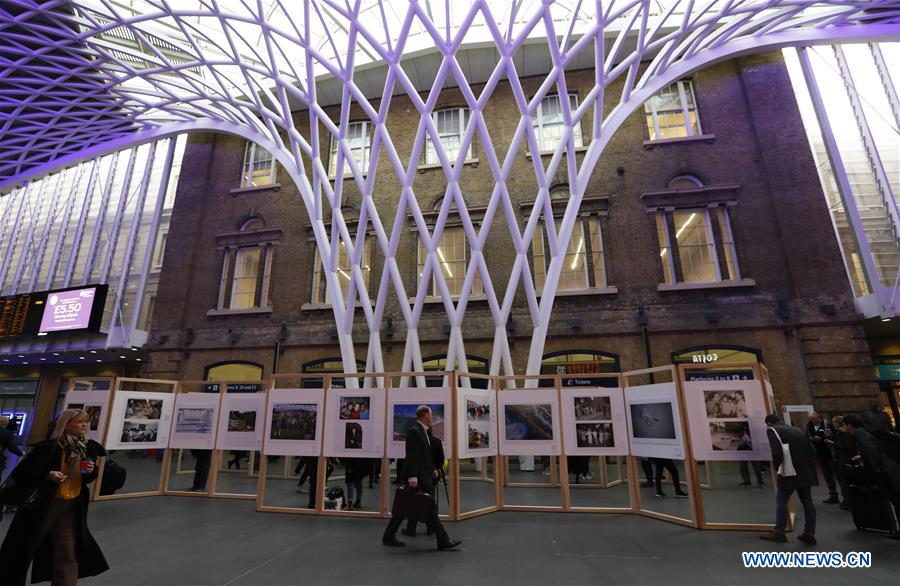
(74, 446)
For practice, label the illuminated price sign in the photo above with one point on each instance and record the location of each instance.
(68, 310)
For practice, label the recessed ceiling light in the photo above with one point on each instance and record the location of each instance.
(6, 360)
(81, 358)
(133, 349)
(21, 356)
(56, 353)
(98, 360)
(61, 362)
(138, 359)
(93, 351)
(43, 358)
(25, 363)
(122, 357)
(885, 319)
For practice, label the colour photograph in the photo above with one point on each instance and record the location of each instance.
(294, 421)
(725, 404)
(143, 409)
(478, 410)
(405, 417)
(479, 435)
(197, 420)
(136, 432)
(592, 408)
(653, 421)
(241, 421)
(529, 422)
(353, 436)
(730, 435)
(94, 412)
(594, 435)
(355, 408)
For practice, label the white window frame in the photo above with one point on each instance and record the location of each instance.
(540, 125)
(669, 243)
(433, 291)
(463, 121)
(250, 164)
(366, 150)
(685, 87)
(321, 290)
(601, 281)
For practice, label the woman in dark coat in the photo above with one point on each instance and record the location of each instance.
(54, 534)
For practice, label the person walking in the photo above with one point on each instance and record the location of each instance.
(53, 537)
(793, 458)
(420, 474)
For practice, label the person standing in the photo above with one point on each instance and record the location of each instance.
(876, 419)
(7, 444)
(843, 448)
(669, 465)
(202, 460)
(420, 474)
(53, 536)
(872, 455)
(793, 458)
(820, 433)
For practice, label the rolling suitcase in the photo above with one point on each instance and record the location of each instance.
(871, 510)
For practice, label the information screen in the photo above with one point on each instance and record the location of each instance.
(13, 315)
(68, 310)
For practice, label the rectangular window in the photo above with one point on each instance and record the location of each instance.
(451, 126)
(672, 113)
(696, 246)
(583, 267)
(359, 141)
(259, 167)
(321, 290)
(245, 278)
(452, 257)
(549, 124)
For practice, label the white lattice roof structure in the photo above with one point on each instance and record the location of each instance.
(83, 78)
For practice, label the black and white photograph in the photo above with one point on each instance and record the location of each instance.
(593, 409)
(134, 432)
(653, 421)
(355, 408)
(528, 422)
(725, 404)
(196, 420)
(94, 412)
(730, 435)
(478, 410)
(242, 421)
(353, 436)
(479, 435)
(294, 421)
(594, 435)
(143, 409)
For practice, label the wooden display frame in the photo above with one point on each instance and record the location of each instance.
(456, 478)
(166, 451)
(104, 422)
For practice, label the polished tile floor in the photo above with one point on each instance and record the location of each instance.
(177, 541)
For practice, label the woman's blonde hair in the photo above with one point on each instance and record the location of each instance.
(63, 421)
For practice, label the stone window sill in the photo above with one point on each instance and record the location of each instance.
(707, 138)
(454, 298)
(591, 291)
(429, 166)
(248, 311)
(578, 151)
(712, 285)
(242, 190)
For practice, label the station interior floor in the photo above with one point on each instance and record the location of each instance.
(211, 541)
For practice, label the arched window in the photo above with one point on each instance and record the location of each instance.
(579, 365)
(584, 266)
(334, 365)
(452, 255)
(474, 364)
(235, 370)
(247, 266)
(718, 354)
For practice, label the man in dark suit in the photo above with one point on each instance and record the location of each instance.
(437, 456)
(419, 474)
(820, 433)
(797, 475)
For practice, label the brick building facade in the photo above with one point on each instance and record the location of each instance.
(787, 297)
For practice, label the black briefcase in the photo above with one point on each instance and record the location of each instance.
(412, 504)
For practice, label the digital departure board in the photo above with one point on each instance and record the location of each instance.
(14, 315)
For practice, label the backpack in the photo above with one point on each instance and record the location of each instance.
(113, 478)
(334, 493)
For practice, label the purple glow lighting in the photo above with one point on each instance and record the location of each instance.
(155, 68)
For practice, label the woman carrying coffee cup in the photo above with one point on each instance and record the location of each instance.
(52, 536)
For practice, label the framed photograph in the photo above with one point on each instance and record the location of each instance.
(241, 421)
(140, 420)
(402, 405)
(194, 426)
(477, 420)
(294, 422)
(727, 419)
(96, 403)
(529, 422)
(654, 421)
(593, 422)
(354, 425)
